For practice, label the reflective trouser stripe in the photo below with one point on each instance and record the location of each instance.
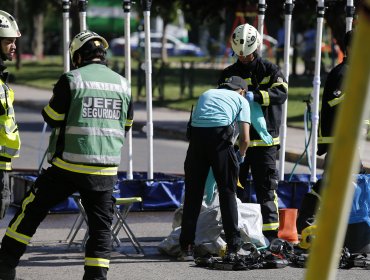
(97, 262)
(12, 230)
(271, 226)
(5, 165)
(18, 236)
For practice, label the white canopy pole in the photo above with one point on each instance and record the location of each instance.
(127, 16)
(66, 37)
(316, 87)
(288, 6)
(82, 5)
(148, 85)
(261, 18)
(350, 12)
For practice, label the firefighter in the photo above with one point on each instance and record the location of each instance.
(268, 87)
(332, 97)
(90, 112)
(211, 145)
(9, 136)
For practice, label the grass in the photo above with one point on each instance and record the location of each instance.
(182, 87)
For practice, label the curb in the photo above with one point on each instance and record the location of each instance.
(179, 134)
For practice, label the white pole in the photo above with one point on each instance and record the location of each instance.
(148, 84)
(350, 12)
(82, 5)
(261, 18)
(283, 127)
(127, 15)
(316, 87)
(66, 6)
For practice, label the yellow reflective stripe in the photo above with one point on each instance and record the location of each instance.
(12, 230)
(367, 122)
(85, 169)
(265, 97)
(52, 114)
(285, 85)
(255, 143)
(315, 194)
(265, 80)
(336, 101)
(97, 262)
(17, 236)
(4, 165)
(325, 140)
(129, 122)
(271, 226)
(9, 151)
(248, 81)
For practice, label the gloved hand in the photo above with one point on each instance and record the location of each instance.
(249, 96)
(239, 157)
(210, 187)
(266, 137)
(259, 123)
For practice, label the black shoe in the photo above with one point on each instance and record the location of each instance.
(236, 262)
(6, 272)
(270, 235)
(187, 255)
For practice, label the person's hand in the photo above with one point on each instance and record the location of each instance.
(266, 137)
(249, 96)
(239, 157)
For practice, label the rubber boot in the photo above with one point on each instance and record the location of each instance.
(287, 225)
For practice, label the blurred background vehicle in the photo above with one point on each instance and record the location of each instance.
(174, 46)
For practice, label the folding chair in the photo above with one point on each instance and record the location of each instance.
(123, 206)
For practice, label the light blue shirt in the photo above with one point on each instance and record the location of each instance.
(220, 107)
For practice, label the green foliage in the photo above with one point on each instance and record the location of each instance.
(177, 93)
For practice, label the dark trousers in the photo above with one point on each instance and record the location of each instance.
(52, 187)
(262, 163)
(208, 148)
(5, 192)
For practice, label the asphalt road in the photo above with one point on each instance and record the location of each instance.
(49, 256)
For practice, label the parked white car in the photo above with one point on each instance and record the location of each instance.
(174, 46)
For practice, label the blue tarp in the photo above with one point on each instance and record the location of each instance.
(360, 211)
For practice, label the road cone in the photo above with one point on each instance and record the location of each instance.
(287, 225)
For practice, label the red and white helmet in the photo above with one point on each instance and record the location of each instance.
(245, 40)
(8, 26)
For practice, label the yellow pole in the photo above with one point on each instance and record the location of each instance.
(343, 158)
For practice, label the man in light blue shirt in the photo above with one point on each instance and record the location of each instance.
(213, 130)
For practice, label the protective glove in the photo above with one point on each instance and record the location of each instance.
(249, 96)
(259, 122)
(210, 187)
(239, 157)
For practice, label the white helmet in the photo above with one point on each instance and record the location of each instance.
(245, 40)
(8, 26)
(81, 38)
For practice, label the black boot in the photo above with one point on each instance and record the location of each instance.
(6, 272)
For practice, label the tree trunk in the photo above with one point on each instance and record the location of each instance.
(164, 54)
(38, 39)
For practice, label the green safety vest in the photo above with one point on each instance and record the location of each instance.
(95, 123)
(10, 142)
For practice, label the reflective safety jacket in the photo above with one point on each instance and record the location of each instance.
(269, 89)
(89, 134)
(333, 95)
(10, 142)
